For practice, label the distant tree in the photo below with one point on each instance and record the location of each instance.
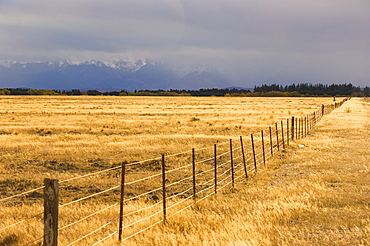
(93, 93)
(76, 93)
(5, 92)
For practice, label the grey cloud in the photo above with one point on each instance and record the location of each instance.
(251, 40)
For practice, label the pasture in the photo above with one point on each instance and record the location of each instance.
(63, 137)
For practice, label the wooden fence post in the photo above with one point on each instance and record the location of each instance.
(277, 136)
(193, 169)
(243, 155)
(122, 200)
(323, 110)
(305, 126)
(292, 127)
(271, 144)
(282, 133)
(302, 127)
(232, 163)
(287, 131)
(164, 189)
(263, 148)
(254, 154)
(51, 200)
(296, 128)
(215, 167)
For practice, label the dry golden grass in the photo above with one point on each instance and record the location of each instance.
(54, 136)
(312, 195)
(61, 137)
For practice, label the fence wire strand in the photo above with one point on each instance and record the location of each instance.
(21, 221)
(86, 217)
(21, 194)
(87, 197)
(89, 234)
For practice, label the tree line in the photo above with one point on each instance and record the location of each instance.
(317, 89)
(273, 90)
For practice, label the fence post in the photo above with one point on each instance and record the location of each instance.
(51, 200)
(296, 128)
(323, 109)
(271, 144)
(254, 154)
(305, 126)
(215, 166)
(287, 131)
(243, 154)
(164, 189)
(263, 149)
(282, 133)
(292, 127)
(123, 174)
(277, 136)
(302, 130)
(193, 165)
(232, 163)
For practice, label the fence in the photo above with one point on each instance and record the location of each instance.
(150, 192)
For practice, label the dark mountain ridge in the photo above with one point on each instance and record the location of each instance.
(125, 75)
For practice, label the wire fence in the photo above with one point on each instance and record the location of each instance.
(147, 193)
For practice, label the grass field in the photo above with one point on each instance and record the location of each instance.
(60, 137)
(312, 195)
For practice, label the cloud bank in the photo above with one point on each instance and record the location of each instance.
(251, 41)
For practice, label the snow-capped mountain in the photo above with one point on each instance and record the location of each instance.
(124, 74)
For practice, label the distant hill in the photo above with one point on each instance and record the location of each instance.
(125, 75)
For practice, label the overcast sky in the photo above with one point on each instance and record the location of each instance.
(251, 41)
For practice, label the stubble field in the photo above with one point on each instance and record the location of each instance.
(62, 137)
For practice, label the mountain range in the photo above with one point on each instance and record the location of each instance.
(122, 75)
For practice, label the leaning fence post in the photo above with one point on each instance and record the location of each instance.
(254, 154)
(232, 163)
(123, 174)
(243, 154)
(193, 165)
(164, 189)
(51, 200)
(263, 148)
(215, 167)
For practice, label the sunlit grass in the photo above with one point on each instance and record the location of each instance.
(62, 137)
